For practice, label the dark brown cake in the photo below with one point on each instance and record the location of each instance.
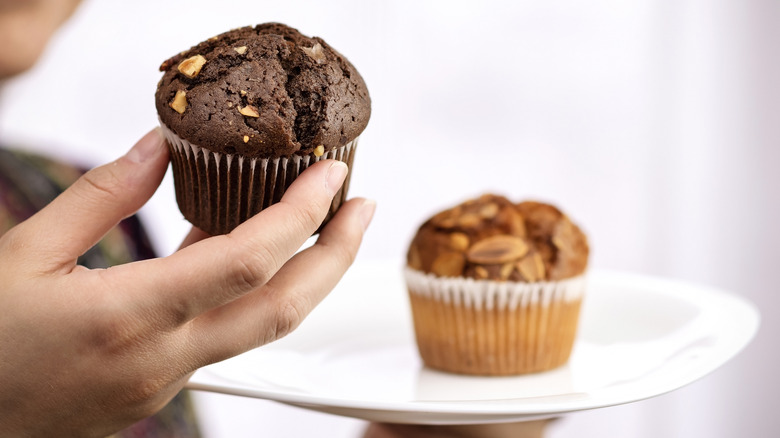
(247, 111)
(264, 91)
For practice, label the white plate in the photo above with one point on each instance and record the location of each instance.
(355, 355)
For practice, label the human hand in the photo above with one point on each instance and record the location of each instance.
(526, 429)
(87, 352)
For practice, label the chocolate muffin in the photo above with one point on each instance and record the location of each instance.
(496, 287)
(246, 111)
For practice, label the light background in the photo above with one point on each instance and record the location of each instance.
(654, 124)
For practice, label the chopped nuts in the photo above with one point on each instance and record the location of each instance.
(489, 211)
(240, 50)
(459, 241)
(513, 221)
(540, 266)
(191, 66)
(315, 52)
(446, 218)
(527, 269)
(531, 268)
(469, 220)
(497, 250)
(491, 238)
(506, 271)
(246, 139)
(563, 236)
(413, 258)
(179, 103)
(448, 264)
(243, 92)
(447, 223)
(249, 111)
(319, 151)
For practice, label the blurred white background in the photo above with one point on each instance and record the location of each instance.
(654, 124)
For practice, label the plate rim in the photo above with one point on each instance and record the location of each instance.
(745, 314)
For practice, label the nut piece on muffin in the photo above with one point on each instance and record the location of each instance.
(491, 238)
(246, 111)
(496, 287)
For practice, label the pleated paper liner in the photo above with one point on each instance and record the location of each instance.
(492, 328)
(217, 192)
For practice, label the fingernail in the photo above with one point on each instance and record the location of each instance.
(367, 212)
(147, 147)
(336, 174)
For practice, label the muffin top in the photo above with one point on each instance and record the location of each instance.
(491, 238)
(263, 91)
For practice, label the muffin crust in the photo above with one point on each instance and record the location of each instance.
(263, 91)
(490, 238)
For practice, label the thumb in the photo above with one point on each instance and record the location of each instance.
(95, 203)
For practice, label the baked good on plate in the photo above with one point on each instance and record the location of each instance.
(496, 287)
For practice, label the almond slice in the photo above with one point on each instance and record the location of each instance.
(191, 66)
(497, 250)
(179, 103)
(448, 264)
(315, 52)
(249, 111)
(459, 241)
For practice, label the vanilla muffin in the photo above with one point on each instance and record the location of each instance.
(246, 111)
(496, 287)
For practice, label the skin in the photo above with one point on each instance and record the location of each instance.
(25, 29)
(529, 429)
(88, 352)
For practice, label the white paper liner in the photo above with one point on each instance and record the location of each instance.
(216, 192)
(492, 328)
(489, 294)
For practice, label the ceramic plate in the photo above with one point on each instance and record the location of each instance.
(355, 354)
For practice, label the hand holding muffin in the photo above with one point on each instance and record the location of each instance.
(87, 352)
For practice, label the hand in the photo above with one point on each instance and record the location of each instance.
(528, 429)
(88, 352)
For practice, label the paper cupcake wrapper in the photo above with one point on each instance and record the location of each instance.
(217, 192)
(485, 327)
(479, 294)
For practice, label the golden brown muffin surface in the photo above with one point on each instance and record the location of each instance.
(491, 238)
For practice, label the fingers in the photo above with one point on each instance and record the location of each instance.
(96, 202)
(526, 429)
(281, 304)
(214, 271)
(195, 235)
